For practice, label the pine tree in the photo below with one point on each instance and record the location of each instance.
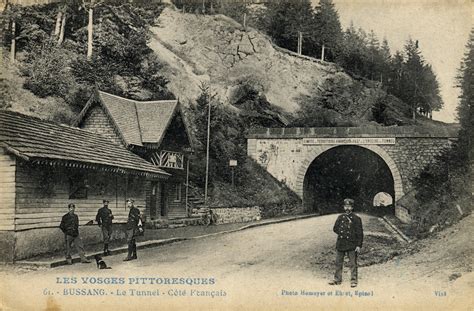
(374, 58)
(429, 87)
(328, 34)
(411, 83)
(396, 73)
(286, 19)
(351, 55)
(419, 84)
(385, 61)
(465, 108)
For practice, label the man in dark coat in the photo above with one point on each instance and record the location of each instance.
(348, 228)
(70, 227)
(104, 219)
(133, 229)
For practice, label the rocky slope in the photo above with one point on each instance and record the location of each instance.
(16, 98)
(217, 51)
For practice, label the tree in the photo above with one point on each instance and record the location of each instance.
(27, 25)
(465, 110)
(328, 32)
(385, 58)
(429, 88)
(286, 19)
(419, 87)
(446, 182)
(396, 73)
(234, 9)
(90, 29)
(353, 54)
(414, 66)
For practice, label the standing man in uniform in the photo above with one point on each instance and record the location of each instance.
(70, 227)
(348, 228)
(104, 219)
(133, 229)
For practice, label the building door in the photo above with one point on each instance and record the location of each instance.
(163, 205)
(153, 198)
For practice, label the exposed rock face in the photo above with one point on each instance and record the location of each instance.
(219, 51)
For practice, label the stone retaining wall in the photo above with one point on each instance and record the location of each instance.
(237, 214)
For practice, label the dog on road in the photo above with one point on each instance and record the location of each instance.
(101, 263)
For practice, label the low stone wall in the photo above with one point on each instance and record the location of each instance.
(29, 243)
(237, 214)
(403, 214)
(7, 246)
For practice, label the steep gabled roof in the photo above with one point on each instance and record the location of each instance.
(39, 141)
(154, 118)
(124, 114)
(137, 122)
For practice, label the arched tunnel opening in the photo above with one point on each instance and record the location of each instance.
(349, 172)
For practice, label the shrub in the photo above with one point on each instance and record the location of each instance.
(47, 70)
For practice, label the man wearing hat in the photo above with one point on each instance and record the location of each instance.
(70, 227)
(348, 228)
(104, 219)
(133, 227)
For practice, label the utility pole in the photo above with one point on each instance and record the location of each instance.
(232, 177)
(232, 164)
(207, 151)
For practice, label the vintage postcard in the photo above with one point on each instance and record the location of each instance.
(236, 155)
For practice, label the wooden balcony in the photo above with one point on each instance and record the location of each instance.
(168, 159)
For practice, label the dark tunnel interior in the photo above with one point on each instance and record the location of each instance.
(347, 172)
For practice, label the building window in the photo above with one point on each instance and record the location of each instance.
(177, 197)
(78, 186)
(46, 184)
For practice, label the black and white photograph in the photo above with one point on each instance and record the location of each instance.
(236, 155)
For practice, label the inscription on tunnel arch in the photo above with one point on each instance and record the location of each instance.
(350, 141)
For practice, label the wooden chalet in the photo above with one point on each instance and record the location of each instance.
(154, 130)
(44, 166)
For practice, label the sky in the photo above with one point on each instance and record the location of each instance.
(441, 27)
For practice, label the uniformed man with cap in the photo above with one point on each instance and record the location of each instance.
(70, 227)
(104, 220)
(348, 228)
(133, 227)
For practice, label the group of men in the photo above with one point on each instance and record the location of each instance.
(70, 227)
(348, 228)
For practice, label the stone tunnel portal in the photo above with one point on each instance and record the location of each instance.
(347, 171)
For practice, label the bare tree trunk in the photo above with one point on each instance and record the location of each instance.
(322, 52)
(13, 45)
(90, 29)
(300, 43)
(58, 23)
(414, 103)
(63, 26)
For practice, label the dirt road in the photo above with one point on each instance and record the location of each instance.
(273, 267)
